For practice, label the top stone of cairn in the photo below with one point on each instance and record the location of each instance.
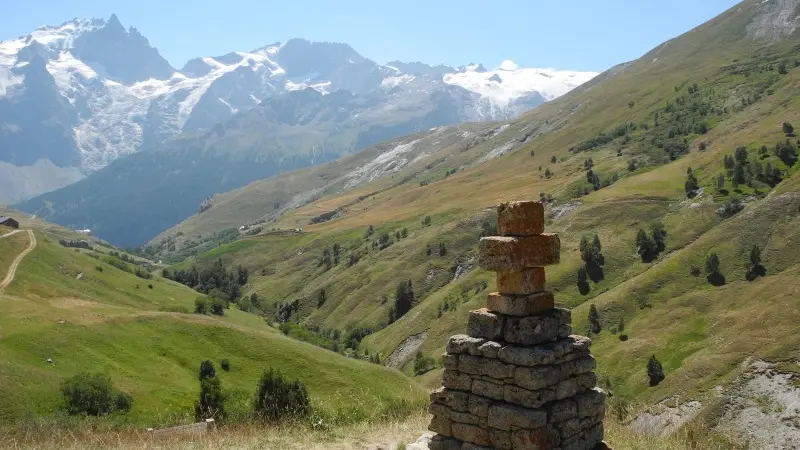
(520, 219)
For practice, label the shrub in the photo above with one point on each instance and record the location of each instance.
(225, 365)
(788, 129)
(423, 364)
(206, 370)
(200, 305)
(211, 402)
(654, 371)
(278, 399)
(93, 394)
(691, 186)
(218, 306)
(594, 320)
(98, 268)
(695, 271)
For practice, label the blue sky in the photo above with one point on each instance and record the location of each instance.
(564, 34)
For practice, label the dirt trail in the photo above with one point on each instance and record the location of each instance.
(14, 264)
(9, 234)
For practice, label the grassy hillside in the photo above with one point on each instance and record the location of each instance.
(689, 103)
(87, 315)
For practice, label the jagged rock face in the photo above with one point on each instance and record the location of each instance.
(122, 56)
(42, 120)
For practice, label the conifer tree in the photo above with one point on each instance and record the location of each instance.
(654, 371)
(594, 320)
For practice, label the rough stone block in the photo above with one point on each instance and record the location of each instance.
(441, 425)
(444, 443)
(488, 389)
(594, 435)
(520, 218)
(471, 446)
(530, 439)
(456, 400)
(456, 380)
(568, 428)
(575, 385)
(471, 433)
(483, 323)
(550, 353)
(562, 410)
(513, 254)
(500, 439)
(527, 398)
(575, 443)
(439, 410)
(509, 417)
(461, 343)
(478, 365)
(564, 331)
(489, 349)
(463, 417)
(479, 405)
(591, 403)
(533, 330)
(523, 282)
(449, 361)
(520, 305)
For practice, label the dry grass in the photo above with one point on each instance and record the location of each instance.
(365, 435)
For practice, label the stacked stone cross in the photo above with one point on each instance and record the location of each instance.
(519, 379)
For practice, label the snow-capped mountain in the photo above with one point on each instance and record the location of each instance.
(77, 96)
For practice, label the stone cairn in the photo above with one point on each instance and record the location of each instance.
(519, 379)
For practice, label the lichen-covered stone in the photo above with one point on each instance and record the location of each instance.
(483, 323)
(439, 410)
(457, 380)
(500, 439)
(575, 385)
(537, 329)
(478, 365)
(444, 443)
(550, 353)
(562, 410)
(471, 433)
(464, 417)
(461, 343)
(520, 218)
(508, 417)
(441, 425)
(513, 254)
(456, 400)
(568, 428)
(591, 403)
(520, 305)
(527, 398)
(471, 446)
(594, 435)
(529, 439)
(489, 349)
(449, 361)
(535, 378)
(488, 389)
(479, 405)
(522, 282)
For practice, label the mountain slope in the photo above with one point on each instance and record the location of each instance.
(111, 321)
(689, 103)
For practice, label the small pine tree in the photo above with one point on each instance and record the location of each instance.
(594, 320)
(788, 129)
(554, 159)
(211, 402)
(712, 264)
(654, 371)
(691, 186)
(583, 277)
(206, 370)
(621, 325)
(755, 256)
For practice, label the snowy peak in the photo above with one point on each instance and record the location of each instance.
(509, 82)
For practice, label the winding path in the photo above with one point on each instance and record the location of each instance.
(12, 270)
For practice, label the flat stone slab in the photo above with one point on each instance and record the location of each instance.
(524, 282)
(513, 254)
(520, 219)
(520, 305)
(483, 323)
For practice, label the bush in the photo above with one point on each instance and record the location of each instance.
(225, 364)
(211, 402)
(655, 372)
(423, 364)
(218, 306)
(93, 394)
(278, 399)
(200, 305)
(98, 268)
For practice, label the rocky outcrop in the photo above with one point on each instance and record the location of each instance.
(519, 379)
